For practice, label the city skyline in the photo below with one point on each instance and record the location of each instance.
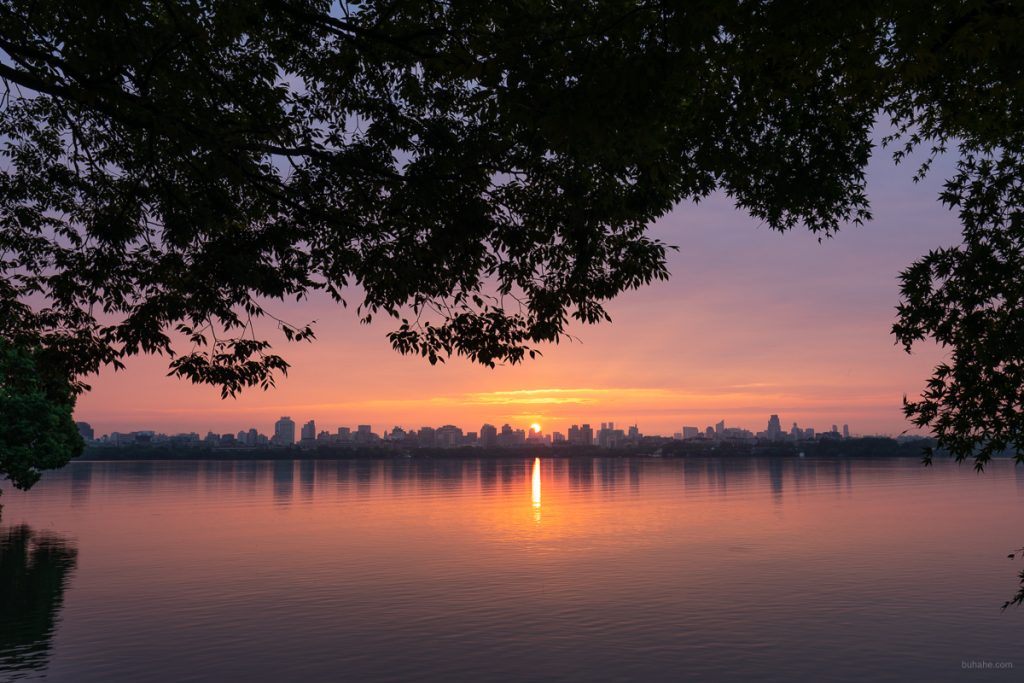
(284, 432)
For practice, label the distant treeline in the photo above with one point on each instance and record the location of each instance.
(866, 447)
(861, 447)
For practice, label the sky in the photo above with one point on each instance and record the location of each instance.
(751, 323)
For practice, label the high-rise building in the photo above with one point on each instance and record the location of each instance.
(633, 435)
(364, 435)
(537, 438)
(309, 433)
(609, 436)
(488, 436)
(720, 429)
(846, 431)
(774, 428)
(448, 436)
(575, 437)
(511, 437)
(284, 432)
(690, 433)
(581, 436)
(587, 434)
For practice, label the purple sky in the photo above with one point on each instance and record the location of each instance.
(752, 322)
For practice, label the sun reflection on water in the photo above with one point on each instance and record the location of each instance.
(536, 489)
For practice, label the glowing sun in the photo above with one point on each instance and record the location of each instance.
(535, 427)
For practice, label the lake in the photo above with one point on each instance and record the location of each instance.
(542, 569)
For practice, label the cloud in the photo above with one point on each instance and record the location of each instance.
(567, 396)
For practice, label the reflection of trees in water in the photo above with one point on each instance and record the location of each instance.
(34, 571)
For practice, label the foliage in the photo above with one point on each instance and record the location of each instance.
(35, 568)
(966, 86)
(481, 172)
(36, 404)
(1018, 597)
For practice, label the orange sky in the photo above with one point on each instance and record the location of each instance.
(751, 323)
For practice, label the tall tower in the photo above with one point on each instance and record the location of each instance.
(488, 436)
(309, 432)
(587, 435)
(774, 428)
(284, 432)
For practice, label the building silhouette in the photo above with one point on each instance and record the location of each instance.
(511, 437)
(488, 436)
(448, 436)
(308, 435)
(609, 436)
(581, 436)
(284, 432)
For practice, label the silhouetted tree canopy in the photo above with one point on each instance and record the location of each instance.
(481, 172)
(36, 402)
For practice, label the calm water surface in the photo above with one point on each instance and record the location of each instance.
(574, 569)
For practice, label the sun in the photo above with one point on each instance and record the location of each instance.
(535, 427)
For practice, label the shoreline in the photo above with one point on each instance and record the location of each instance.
(867, 447)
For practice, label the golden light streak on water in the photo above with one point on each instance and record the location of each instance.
(536, 489)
